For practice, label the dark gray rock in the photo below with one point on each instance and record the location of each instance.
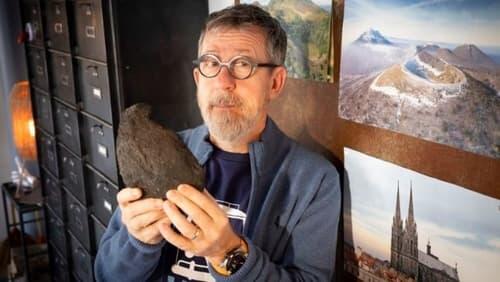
(152, 157)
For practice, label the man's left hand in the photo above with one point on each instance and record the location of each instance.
(204, 230)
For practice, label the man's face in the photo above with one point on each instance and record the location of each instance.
(233, 108)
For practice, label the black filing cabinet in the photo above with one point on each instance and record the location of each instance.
(87, 61)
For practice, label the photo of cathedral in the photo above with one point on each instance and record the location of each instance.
(400, 225)
(407, 258)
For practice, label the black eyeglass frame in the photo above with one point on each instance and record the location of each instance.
(254, 65)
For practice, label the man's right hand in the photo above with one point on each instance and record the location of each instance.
(141, 216)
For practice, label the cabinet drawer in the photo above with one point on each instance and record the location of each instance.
(48, 153)
(32, 21)
(82, 261)
(89, 30)
(67, 127)
(57, 25)
(103, 195)
(100, 147)
(93, 86)
(59, 267)
(99, 230)
(62, 79)
(53, 194)
(43, 111)
(57, 233)
(78, 220)
(71, 168)
(37, 68)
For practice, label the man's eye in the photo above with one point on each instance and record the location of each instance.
(211, 63)
(241, 63)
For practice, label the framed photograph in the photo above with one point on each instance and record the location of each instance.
(400, 225)
(429, 69)
(308, 27)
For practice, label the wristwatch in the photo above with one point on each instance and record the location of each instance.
(234, 260)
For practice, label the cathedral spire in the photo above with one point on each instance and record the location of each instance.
(410, 207)
(398, 210)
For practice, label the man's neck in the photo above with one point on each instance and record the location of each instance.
(240, 145)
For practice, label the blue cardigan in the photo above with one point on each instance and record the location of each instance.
(291, 225)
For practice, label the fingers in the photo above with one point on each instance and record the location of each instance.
(202, 199)
(151, 234)
(180, 221)
(143, 221)
(173, 237)
(133, 209)
(127, 195)
(194, 210)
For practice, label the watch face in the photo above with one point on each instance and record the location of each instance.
(236, 261)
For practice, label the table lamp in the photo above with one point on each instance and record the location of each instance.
(23, 133)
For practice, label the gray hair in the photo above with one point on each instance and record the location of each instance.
(244, 15)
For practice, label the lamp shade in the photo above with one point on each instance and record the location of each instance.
(23, 127)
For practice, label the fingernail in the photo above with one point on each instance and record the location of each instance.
(170, 193)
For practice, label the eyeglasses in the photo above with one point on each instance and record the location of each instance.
(240, 67)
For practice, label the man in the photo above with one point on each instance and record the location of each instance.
(270, 209)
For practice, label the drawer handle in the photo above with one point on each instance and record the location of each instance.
(90, 31)
(57, 9)
(81, 253)
(93, 70)
(97, 128)
(65, 80)
(58, 27)
(96, 92)
(74, 207)
(73, 177)
(102, 150)
(68, 130)
(108, 206)
(102, 185)
(50, 155)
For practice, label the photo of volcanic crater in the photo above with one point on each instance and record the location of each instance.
(441, 92)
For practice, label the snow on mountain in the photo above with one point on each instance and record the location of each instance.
(422, 80)
(429, 48)
(372, 52)
(372, 36)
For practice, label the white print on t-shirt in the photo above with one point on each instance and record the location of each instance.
(187, 267)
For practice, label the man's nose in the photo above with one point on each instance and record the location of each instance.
(225, 79)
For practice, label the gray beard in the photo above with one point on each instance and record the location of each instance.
(228, 127)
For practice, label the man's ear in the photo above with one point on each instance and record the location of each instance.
(278, 81)
(196, 76)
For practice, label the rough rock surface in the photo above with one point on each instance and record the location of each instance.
(152, 157)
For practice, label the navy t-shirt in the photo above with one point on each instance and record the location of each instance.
(228, 179)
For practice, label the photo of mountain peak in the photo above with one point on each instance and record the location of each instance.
(421, 85)
(307, 24)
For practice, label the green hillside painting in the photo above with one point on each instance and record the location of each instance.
(307, 24)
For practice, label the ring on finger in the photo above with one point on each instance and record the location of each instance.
(195, 235)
